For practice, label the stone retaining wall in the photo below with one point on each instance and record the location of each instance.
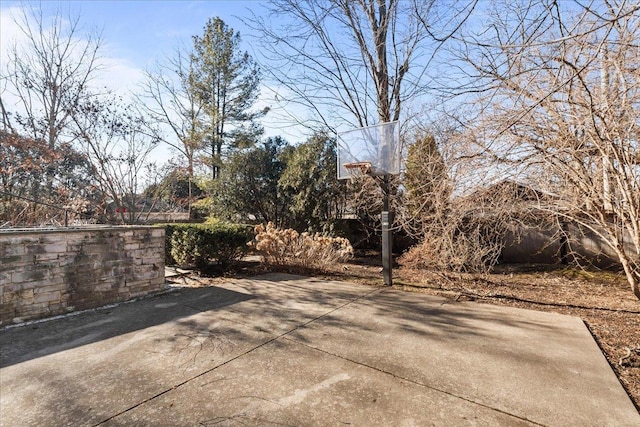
(45, 272)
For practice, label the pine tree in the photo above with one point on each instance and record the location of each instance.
(425, 180)
(227, 81)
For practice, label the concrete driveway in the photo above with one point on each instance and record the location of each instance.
(295, 351)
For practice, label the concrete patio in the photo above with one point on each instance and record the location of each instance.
(290, 350)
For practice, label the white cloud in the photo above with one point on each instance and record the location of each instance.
(119, 75)
(10, 32)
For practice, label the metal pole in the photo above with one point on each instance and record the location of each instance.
(387, 235)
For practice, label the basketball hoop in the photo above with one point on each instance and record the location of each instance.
(370, 150)
(373, 151)
(358, 168)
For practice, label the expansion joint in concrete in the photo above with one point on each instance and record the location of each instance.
(251, 350)
(417, 383)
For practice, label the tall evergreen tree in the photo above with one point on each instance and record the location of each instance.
(227, 81)
(317, 197)
(426, 182)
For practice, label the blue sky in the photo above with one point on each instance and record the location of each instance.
(141, 31)
(138, 33)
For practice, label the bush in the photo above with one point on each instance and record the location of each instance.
(204, 244)
(288, 247)
(471, 248)
(168, 232)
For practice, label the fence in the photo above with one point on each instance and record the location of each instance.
(21, 211)
(545, 246)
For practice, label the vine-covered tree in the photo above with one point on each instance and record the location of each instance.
(426, 184)
(226, 80)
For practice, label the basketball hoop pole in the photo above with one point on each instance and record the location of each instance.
(374, 151)
(387, 234)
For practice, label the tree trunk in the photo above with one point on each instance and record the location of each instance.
(633, 275)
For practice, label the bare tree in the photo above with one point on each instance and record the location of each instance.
(354, 62)
(115, 139)
(170, 100)
(49, 74)
(560, 103)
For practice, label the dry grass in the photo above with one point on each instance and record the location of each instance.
(287, 247)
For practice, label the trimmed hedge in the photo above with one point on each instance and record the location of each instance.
(204, 244)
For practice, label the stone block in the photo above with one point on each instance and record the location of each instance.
(7, 313)
(144, 273)
(51, 238)
(20, 239)
(46, 297)
(156, 260)
(74, 237)
(54, 247)
(26, 294)
(131, 246)
(12, 287)
(52, 256)
(7, 250)
(5, 277)
(16, 261)
(34, 248)
(21, 276)
(76, 245)
(56, 308)
(33, 310)
(103, 286)
(10, 297)
(49, 286)
(66, 259)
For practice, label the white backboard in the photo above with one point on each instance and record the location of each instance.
(378, 145)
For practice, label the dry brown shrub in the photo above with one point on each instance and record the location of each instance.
(451, 249)
(288, 247)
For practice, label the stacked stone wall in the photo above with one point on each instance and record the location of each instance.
(45, 272)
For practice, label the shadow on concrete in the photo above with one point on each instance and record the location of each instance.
(274, 345)
(30, 341)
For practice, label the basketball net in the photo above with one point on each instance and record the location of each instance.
(358, 169)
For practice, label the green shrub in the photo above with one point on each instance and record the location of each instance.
(168, 232)
(204, 244)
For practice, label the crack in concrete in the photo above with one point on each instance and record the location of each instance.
(448, 393)
(251, 350)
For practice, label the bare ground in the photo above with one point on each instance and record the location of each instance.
(603, 300)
